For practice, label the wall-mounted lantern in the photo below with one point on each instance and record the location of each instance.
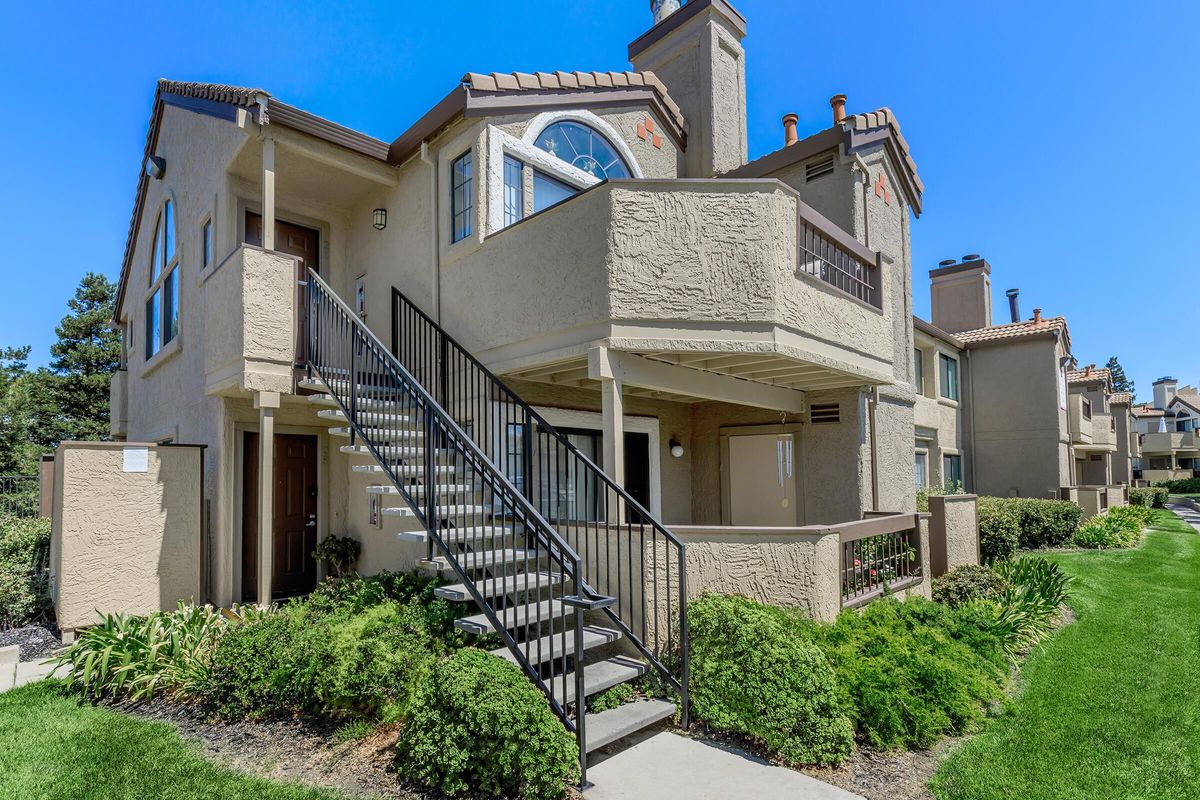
(155, 166)
(379, 218)
(676, 448)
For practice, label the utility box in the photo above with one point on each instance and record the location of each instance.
(127, 528)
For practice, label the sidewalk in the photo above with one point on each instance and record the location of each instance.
(667, 766)
(14, 673)
(1186, 514)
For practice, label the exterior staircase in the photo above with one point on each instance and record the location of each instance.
(506, 530)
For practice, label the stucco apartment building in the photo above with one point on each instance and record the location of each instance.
(683, 338)
(1170, 432)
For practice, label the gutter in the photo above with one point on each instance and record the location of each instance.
(872, 405)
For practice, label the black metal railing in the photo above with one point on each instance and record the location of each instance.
(463, 501)
(821, 257)
(626, 553)
(877, 554)
(20, 495)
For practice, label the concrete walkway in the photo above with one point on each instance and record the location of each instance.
(14, 673)
(1187, 514)
(667, 766)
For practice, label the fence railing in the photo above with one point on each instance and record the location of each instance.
(20, 495)
(821, 257)
(626, 553)
(878, 554)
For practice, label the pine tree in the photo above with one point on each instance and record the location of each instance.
(14, 417)
(1120, 382)
(86, 354)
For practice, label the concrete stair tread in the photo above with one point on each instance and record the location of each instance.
(556, 645)
(514, 616)
(480, 559)
(467, 534)
(377, 435)
(599, 676)
(402, 470)
(419, 489)
(609, 726)
(443, 512)
(494, 587)
(336, 415)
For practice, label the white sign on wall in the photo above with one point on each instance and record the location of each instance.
(137, 459)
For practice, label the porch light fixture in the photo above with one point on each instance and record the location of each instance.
(155, 166)
(676, 448)
(379, 218)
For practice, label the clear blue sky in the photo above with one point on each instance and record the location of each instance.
(1053, 138)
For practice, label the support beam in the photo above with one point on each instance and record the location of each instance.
(268, 194)
(613, 407)
(638, 371)
(266, 403)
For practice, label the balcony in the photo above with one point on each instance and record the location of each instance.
(734, 277)
(1090, 431)
(1135, 444)
(1156, 443)
(251, 322)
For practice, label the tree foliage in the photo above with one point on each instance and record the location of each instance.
(1120, 381)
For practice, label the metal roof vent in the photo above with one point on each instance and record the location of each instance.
(824, 413)
(947, 262)
(817, 169)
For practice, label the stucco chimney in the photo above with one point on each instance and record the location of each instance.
(961, 295)
(838, 104)
(697, 52)
(1014, 308)
(1164, 391)
(789, 129)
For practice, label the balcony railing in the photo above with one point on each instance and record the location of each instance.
(821, 257)
(879, 554)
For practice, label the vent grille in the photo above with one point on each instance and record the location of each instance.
(823, 413)
(815, 169)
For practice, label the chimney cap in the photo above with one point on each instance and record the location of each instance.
(789, 129)
(1037, 315)
(946, 262)
(838, 104)
(971, 257)
(1012, 292)
(1165, 379)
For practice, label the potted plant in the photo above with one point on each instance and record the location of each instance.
(339, 554)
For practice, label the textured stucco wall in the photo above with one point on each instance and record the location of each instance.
(953, 532)
(125, 542)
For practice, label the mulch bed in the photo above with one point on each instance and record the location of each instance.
(36, 641)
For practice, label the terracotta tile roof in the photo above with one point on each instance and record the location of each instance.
(559, 81)
(1014, 330)
(1121, 398)
(1145, 410)
(1083, 376)
(880, 118)
(217, 92)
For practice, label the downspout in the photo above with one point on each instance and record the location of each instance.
(872, 405)
(969, 414)
(866, 173)
(435, 253)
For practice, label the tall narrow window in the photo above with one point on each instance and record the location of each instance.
(162, 305)
(206, 244)
(514, 190)
(460, 197)
(952, 476)
(918, 371)
(949, 375)
(921, 469)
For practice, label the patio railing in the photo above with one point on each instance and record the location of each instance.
(20, 495)
(877, 554)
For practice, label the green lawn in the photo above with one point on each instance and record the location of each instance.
(1111, 706)
(53, 748)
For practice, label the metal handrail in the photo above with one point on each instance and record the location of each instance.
(378, 399)
(464, 384)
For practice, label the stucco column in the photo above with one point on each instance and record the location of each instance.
(266, 403)
(268, 193)
(613, 408)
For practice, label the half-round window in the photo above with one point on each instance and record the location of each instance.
(582, 147)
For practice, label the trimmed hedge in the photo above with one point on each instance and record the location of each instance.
(1186, 486)
(1154, 497)
(478, 725)
(999, 529)
(1036, 523)
(24, 579)
(968, 583)
(1118, 527)
(755, 672)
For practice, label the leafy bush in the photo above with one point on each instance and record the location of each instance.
(926, 492)
(139, 657)
(967, 583)
(1026, 609)
(999, 529)
(915, 670)
(338, 552)
(352, 594)
(753, 672)
(611, 698)
(1116, 528)
(24, 578)
(1153, 497)
(478, 725)
(259, 669)
(1185, 486)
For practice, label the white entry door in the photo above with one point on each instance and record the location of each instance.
(762, 480)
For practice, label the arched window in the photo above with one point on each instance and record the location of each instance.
(162, 306)
(584, 148)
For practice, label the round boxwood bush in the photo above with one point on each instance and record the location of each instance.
(754, 672)
(259, 669)
(478, 725)
(999, 529)
(967, 583)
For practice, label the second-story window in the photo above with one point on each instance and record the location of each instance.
(460, 197)
(206, 244)
(162, 306)
(918, 371)
(514, 190)
(1087, 408)
(949, 376)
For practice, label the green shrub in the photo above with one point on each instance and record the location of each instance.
(999, 529)
(916, 670)
(368, 664)
(260, 669)
(24, 578)
(140, 657)
(1026, 609)
(478, 725)
(1185, 486)
(611, 698)
(352, 594)
(1152, 497)
(968, 583)
(1116, 528)
(338, 552)
(926, 492)
(754, 672)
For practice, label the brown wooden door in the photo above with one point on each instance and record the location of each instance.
(294, 528)
(294, 240)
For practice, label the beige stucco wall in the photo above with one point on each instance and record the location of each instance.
(953, 532)
(125, 542)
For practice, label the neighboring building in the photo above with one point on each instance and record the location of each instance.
(1129, 441)
(731, 341)
(1100, 451)
(940, 458)
(1170, 432)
